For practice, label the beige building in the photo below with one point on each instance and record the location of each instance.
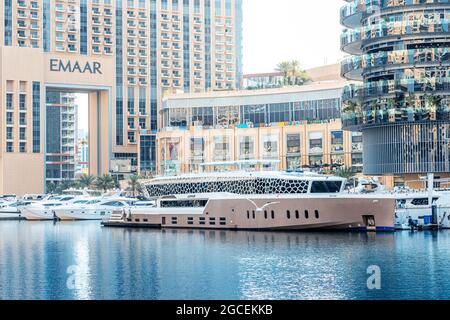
(288, 128)
(126, 55)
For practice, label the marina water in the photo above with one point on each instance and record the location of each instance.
(82, 260)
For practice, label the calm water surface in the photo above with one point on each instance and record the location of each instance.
(81, 260)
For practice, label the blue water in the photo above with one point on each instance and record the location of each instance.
(81, 260)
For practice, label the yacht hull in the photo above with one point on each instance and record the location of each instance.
(283, 213)
(71, 215)
(10, 215)
(30, 213)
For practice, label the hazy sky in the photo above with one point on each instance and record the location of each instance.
(277, 30)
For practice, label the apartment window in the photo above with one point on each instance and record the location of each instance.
(22, 102)
(9, 133)
(9, 147)
(23, 147)
(9, 118)
(22, 134)
(9, 101)
(22, 119)
(142, 124)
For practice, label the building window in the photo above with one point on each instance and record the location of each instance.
(246, 148)
(9, 101)
(222, 148)
(22, 102)
(273, 214)
(265, 214)
(36, 117)
(306, 214)
(297, 214)
(9, 147)
(288, 214)
(316, 213)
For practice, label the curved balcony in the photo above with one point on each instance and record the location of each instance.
(355, 67)
(355, 11)
(391, 88)
(352, 41)
(354, 120)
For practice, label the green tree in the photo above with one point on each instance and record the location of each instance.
(86, 181)
(105, 182)
(67, 184)
(344, 172)
(292, 73)
(133, 184)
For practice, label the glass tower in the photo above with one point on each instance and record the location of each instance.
(400, 58)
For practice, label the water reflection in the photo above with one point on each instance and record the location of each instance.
(39, 260)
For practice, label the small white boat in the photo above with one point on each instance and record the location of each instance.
(95, 209)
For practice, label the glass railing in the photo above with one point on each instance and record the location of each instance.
(398, 57)
(352, 119)
(366, 6)
(400, 28)
(381, 88)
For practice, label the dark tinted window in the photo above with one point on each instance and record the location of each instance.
(326, 186)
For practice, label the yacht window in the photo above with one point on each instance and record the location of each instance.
(288, 213)
(297, 214)
(66, 198)
(248, 214)
(316, 212)
(253, 214)
(422, 201)
(273, 214)
(265, 214)
(306, 214)
(326, 186)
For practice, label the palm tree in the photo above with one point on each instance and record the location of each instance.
(86, 181)
(105, 182)
(285, 67)
(293, 75)
(133, 184)
(344, 172)
(66, 184)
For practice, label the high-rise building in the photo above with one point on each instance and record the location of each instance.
(401, 52)
(126, 55)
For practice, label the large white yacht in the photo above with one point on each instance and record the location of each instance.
(258, 201)
(91, 209)
(44, 210)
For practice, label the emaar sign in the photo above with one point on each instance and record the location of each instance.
(59, 65)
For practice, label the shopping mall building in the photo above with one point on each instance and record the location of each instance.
(125, 56)
(293, 128)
